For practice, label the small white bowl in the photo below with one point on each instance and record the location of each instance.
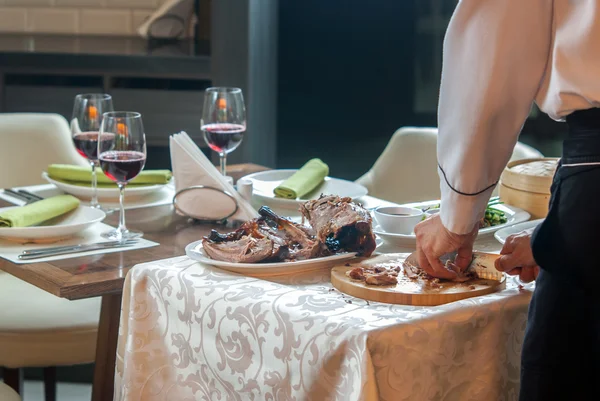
(398, 219)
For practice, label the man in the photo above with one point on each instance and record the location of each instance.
(500, 56)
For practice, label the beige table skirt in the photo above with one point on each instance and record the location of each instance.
(193, 332)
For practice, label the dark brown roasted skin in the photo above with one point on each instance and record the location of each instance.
(341, 224)
(268, 238)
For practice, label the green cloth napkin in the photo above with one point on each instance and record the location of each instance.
(303, 181)
(38, 212)
(83, 175)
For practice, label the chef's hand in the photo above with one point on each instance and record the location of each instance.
(434, 241)
(517, 257)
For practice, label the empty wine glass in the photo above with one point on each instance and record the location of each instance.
(85, 125)
(122, 156)
(223, 121)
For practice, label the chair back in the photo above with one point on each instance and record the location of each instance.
(29, 142)
(407, 170)
(8, 394)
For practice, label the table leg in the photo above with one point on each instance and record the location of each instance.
(14, 379)
(106, 348)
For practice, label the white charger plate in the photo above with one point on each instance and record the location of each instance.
(502, 235)
(195, 251)
(264, 182)
(514, 216)
(60, 227)
(103, 193)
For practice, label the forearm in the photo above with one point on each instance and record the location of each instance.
(495, 55)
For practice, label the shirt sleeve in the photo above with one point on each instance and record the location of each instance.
(495, 56)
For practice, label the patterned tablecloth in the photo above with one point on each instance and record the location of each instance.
(194, 332)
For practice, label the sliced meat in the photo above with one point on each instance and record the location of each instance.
(461, 276)
(414, 272)
(374, 275)
(383, 278)
(300, 242)
(356, 274)
(340, 224)
(245, 250)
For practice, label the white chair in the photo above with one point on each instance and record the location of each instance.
(8, 394)
(38, 329)
(407, 171)
(29, 142)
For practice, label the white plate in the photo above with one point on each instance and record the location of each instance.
(265, 182)
(195, 251)
(59, 227)
(502, 235)
(103, 193)
(514, 216)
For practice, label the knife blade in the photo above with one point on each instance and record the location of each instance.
(30, 194)
(79, 249)
(20, 196)
(63, 247)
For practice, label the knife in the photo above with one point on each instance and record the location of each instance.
(20, 196)
(43, 253)
(482, 263)
(30, 194)
(63, 247)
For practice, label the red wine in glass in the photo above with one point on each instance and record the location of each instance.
(223, 138)
(122, 166)
(86, 144)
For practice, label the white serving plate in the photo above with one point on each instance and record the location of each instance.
(514, 216)
(195, 251)
(263, 184)
(104, 193)
(60, 227)
(502, 235)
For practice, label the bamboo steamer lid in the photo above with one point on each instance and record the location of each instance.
(526, 184)
(530, 175)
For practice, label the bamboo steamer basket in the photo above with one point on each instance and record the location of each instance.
(526, 184)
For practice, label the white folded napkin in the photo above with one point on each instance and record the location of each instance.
(191, 168)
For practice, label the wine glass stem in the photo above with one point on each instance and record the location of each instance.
(122, 229)
(94, 201)
(223, 157)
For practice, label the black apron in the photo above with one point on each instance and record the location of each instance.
(561, 351)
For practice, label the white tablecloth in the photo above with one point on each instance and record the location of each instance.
(193, 332)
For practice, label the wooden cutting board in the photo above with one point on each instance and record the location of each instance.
(418, 291)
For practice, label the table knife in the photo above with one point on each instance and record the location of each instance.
(30, 194)
(63, 247)
(73, 249)
(20, 196)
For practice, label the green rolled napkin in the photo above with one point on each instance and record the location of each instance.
(38, 212)
(303, 181)
(83, 175)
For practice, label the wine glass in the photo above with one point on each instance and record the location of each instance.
(223, 121)
(122, 156)
(85, 125)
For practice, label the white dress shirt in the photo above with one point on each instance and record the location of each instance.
(500, 56)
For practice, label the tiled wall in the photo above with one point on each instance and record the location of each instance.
(83, 17)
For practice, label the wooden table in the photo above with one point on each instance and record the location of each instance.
(103, 275)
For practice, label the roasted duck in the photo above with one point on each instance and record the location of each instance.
(338, 225)
(341, 224)
(269, 238)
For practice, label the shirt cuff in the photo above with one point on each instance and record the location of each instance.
(460, 213)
